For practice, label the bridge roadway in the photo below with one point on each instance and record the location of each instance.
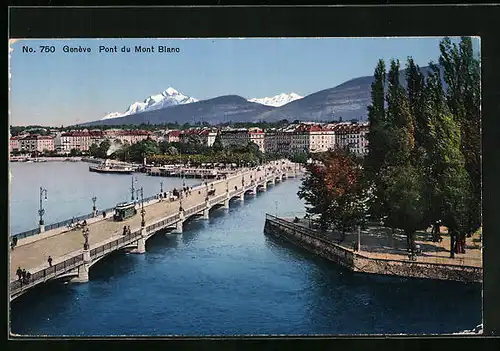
(32, 255)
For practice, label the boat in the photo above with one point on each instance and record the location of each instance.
(111, 169)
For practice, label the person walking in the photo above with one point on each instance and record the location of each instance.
(128, 230)
(19, 273)
(50, 261)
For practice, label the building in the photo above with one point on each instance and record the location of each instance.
(352, 136)
(257, 137)
(14, 144)
(204, 136)
(36, 143)
(173, 136)
(243, 136)
(129, 136)
(79, 140)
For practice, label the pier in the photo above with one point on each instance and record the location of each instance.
(73, 256)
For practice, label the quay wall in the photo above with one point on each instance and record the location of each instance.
(313, 241)
(299, 236)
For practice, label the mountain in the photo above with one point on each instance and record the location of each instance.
(167, 98)
(222, 109)
(348, 100)
(278, 100)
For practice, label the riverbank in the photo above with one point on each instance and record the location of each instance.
(382, 253)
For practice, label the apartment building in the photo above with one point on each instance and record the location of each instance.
(205, 136)
(352, 136)
(36, 143)
(243, 136)
(79, 140)
(14, 144)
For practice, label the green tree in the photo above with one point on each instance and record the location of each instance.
(462, 76)
(217, 145)
(74, 152)
(378, 140)
(334, 190)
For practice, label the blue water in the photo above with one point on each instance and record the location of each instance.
(223, 276)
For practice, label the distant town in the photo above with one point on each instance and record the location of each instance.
(283, 139)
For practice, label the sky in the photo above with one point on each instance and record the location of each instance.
(51, 87)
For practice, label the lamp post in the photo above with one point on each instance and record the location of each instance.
(85, 233)
(41, 211)
(132, 188)
(161, 187)
(94, 210)
(143, 212)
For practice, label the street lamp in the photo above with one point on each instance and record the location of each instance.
(143, 212)
(41, 211)
(85, 233)
(132, 189)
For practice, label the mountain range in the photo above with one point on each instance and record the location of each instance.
(347, 101)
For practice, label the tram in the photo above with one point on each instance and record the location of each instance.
(124, 210)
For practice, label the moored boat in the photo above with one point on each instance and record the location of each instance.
(111, 169)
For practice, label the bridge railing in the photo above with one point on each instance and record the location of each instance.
(47, 273)
(60, 224)
(113, 245)
(167, 221)
(194, 209)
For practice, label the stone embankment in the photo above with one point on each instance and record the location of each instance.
(325, 247)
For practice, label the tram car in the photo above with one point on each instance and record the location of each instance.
(124, 210)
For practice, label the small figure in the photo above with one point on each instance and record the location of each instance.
(128, 230)
(19, 273)
(124, 230)
(50, 261)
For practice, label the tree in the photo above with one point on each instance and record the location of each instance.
(462, 76)
(378, 137)
(103, 149)
(333, 189)
(217, 145)
(94, 150)
(452, 186)
(416, 100)
(299, 157)
(74, 152)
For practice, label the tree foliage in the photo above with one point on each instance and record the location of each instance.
(334, 190)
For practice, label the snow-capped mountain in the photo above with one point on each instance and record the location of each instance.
(169, 97)
(278, 100)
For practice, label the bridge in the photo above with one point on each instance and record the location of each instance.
(72, 259)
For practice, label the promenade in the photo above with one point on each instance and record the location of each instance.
(32, 252)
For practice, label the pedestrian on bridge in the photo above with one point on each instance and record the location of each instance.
(50, 261)
(128, 230)
(124, 230)
(19, 273)
(28, 277)
(23, 275)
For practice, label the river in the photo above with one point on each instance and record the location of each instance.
(223, 276)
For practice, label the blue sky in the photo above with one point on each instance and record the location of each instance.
(59, 88)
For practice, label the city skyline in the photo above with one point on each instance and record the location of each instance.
(64, 88)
